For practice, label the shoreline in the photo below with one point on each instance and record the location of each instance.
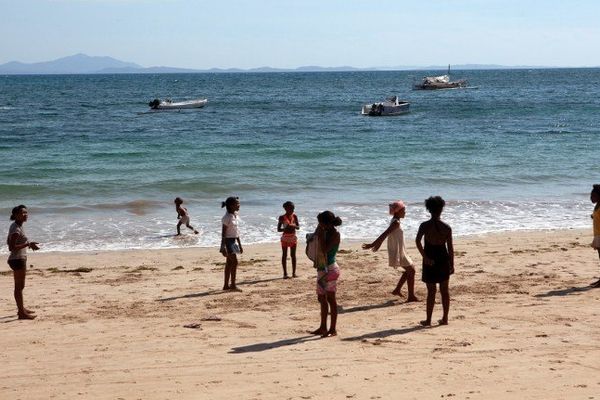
(301, 242)
(154, 324)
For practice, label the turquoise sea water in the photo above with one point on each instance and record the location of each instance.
(99, 172)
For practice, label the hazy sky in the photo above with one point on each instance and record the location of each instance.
(282, 33)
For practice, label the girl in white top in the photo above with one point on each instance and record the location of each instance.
(396, 251)
(17, 260)
(231, 245)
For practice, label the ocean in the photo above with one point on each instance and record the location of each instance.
(98, 171)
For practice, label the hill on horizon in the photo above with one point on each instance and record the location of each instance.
(84, 64)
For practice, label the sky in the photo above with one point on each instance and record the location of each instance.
(290, 33)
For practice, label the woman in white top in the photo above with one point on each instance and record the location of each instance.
(396, 251)
(17, 260)
(231, 245)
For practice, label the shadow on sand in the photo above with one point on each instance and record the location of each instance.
(389, 303)
(9, 318)
(387, 333)
(273, 345)
(565, 292)
(216, 291)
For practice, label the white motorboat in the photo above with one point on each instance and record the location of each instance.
(440, 82)
(168, 104)
(391, 106)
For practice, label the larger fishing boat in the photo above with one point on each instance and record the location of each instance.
(440, 82)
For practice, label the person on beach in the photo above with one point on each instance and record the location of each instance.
(17, 260)
(595, 198)
(182, 216)
(288, 224)
(438, 257)
(396, 252)
(231, 245)
(328, 271)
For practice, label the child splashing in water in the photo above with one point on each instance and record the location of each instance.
(182, 216)
(595, 198)
(231, 245)
(396, 252)
(288, 224)
(438, 257)
(328, 272)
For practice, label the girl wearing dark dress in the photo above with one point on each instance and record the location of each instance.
(18, 243)
(438, 257)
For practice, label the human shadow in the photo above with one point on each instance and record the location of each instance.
(215, 291)
(272, 345)
(565, 292)
(193, 295)
(387, 333)
(9, 318)
(389, 303)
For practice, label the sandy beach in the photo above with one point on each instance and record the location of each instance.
(524, 324)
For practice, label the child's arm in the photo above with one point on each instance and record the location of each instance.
(280, 224)
(377, 243)
(450, 249)
(13, 246)
(297, 222)
(420, 234)
(240, 244)
(223, 249)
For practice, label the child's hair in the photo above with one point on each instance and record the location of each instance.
(178, 200)
(596, 189)
(435, 205)
(329, 218)
(16, 211)
(288, 204)
(229, 202)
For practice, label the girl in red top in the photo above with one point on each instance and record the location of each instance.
(288, 224)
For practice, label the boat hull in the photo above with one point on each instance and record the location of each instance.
(385, 110)
(181, 105)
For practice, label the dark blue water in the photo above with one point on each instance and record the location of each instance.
(518, 152)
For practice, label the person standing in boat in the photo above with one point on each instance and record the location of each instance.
(18, 243)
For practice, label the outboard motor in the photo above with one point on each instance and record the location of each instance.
(154, 104)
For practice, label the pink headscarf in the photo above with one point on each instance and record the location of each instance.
(396, 206)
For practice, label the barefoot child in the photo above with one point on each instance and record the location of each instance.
(182, 216)
(288, 224)
(17, 260)
(396, 252)
(231, 245)
(595, 198)
(438, 257)
(328, 271)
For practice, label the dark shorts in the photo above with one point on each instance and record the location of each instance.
(17, 264)
(231, 246)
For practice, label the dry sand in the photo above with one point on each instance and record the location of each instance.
(524, 324)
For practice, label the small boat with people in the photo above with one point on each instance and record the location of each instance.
(440, 82)
(168, 104)
(388, 107)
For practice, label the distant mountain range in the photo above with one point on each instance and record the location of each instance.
(84, 64)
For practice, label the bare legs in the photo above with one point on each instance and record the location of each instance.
(19, 276)
(408, 276)
(284, 261)
(328, 304)
(597, 283)
(230, 271)
(189, 227)
(431, 292)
